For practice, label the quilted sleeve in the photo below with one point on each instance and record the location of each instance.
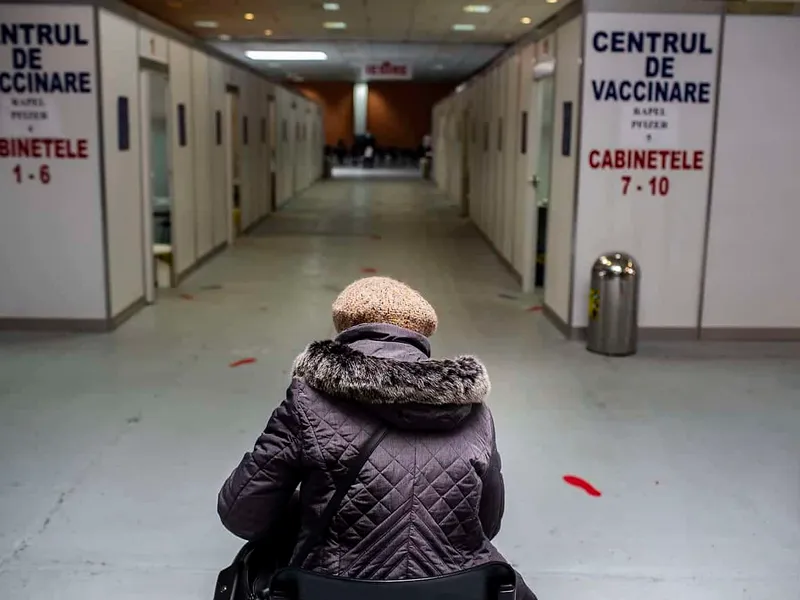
(493, 497)
(257, 493)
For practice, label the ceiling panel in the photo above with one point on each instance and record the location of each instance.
(416, 31)
(379, 20)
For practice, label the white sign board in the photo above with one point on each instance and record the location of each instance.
(648, 108)
(387, 70)
(50, 217)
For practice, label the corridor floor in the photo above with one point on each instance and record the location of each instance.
(113, 446)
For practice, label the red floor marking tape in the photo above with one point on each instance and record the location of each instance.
(583, 484)
(244, 361)
(187, 296)
(369, 270)
(535, 308)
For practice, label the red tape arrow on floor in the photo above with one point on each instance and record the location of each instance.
(244, 361)
(583, 484)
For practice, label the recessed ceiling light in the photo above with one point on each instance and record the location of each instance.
(335, 25)
(525, 20)
(463, 27)
(268, 32)
(280, 55)
(224, 37)
(330, 6)
(249, 16)
(478, 8)
(206, 24)
(551, 1)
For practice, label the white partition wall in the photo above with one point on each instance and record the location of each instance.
(52, 269)
(752, 276)
(494, 114)
(203, 127)
(219, 192)
(511, 149)
(263, 149)
(644, 177)
(182, 139)
(283, 156)
(524, 223)
(705, 197)
(72, 216)
(478, 206)
(561, 211)
(119, 41)
(245, 126)
(439, 147)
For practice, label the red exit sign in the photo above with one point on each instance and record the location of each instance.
(387, 70)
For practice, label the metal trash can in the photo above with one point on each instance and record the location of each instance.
(613, 305)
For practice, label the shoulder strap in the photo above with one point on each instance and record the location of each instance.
(342, 487)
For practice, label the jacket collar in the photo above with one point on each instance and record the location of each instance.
(342, 370)
(386, 341)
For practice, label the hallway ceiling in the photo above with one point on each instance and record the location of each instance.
(431, 62)
(419, 32)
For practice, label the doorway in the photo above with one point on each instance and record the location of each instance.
(156, 182)
(233, 167)
(545, 92)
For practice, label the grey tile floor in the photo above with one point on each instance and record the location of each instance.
(112, 447)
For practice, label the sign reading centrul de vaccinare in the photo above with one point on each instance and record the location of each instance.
(647, 120)
(47, 91)
(646, 72)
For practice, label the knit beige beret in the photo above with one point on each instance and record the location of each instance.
(383, 300)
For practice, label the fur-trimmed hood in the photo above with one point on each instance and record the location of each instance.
(340, 371)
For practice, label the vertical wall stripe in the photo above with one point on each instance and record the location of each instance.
(711, 170)
(578, 149)
(101, 157)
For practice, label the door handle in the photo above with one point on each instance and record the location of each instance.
(534, 181)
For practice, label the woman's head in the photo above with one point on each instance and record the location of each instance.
(383, 300)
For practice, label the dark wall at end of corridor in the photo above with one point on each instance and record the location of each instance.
(336, 99)
(398, 112)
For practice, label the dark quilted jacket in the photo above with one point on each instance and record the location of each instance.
(430, 498)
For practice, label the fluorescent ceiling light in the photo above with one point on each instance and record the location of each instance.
(463, 27)
(281, 55)
(478, 8)
(330, 6)
(206, 24)
(224, 37)
(335, 25)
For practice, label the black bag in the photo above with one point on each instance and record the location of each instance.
(247, 578)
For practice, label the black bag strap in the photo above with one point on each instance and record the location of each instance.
(342, 487)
